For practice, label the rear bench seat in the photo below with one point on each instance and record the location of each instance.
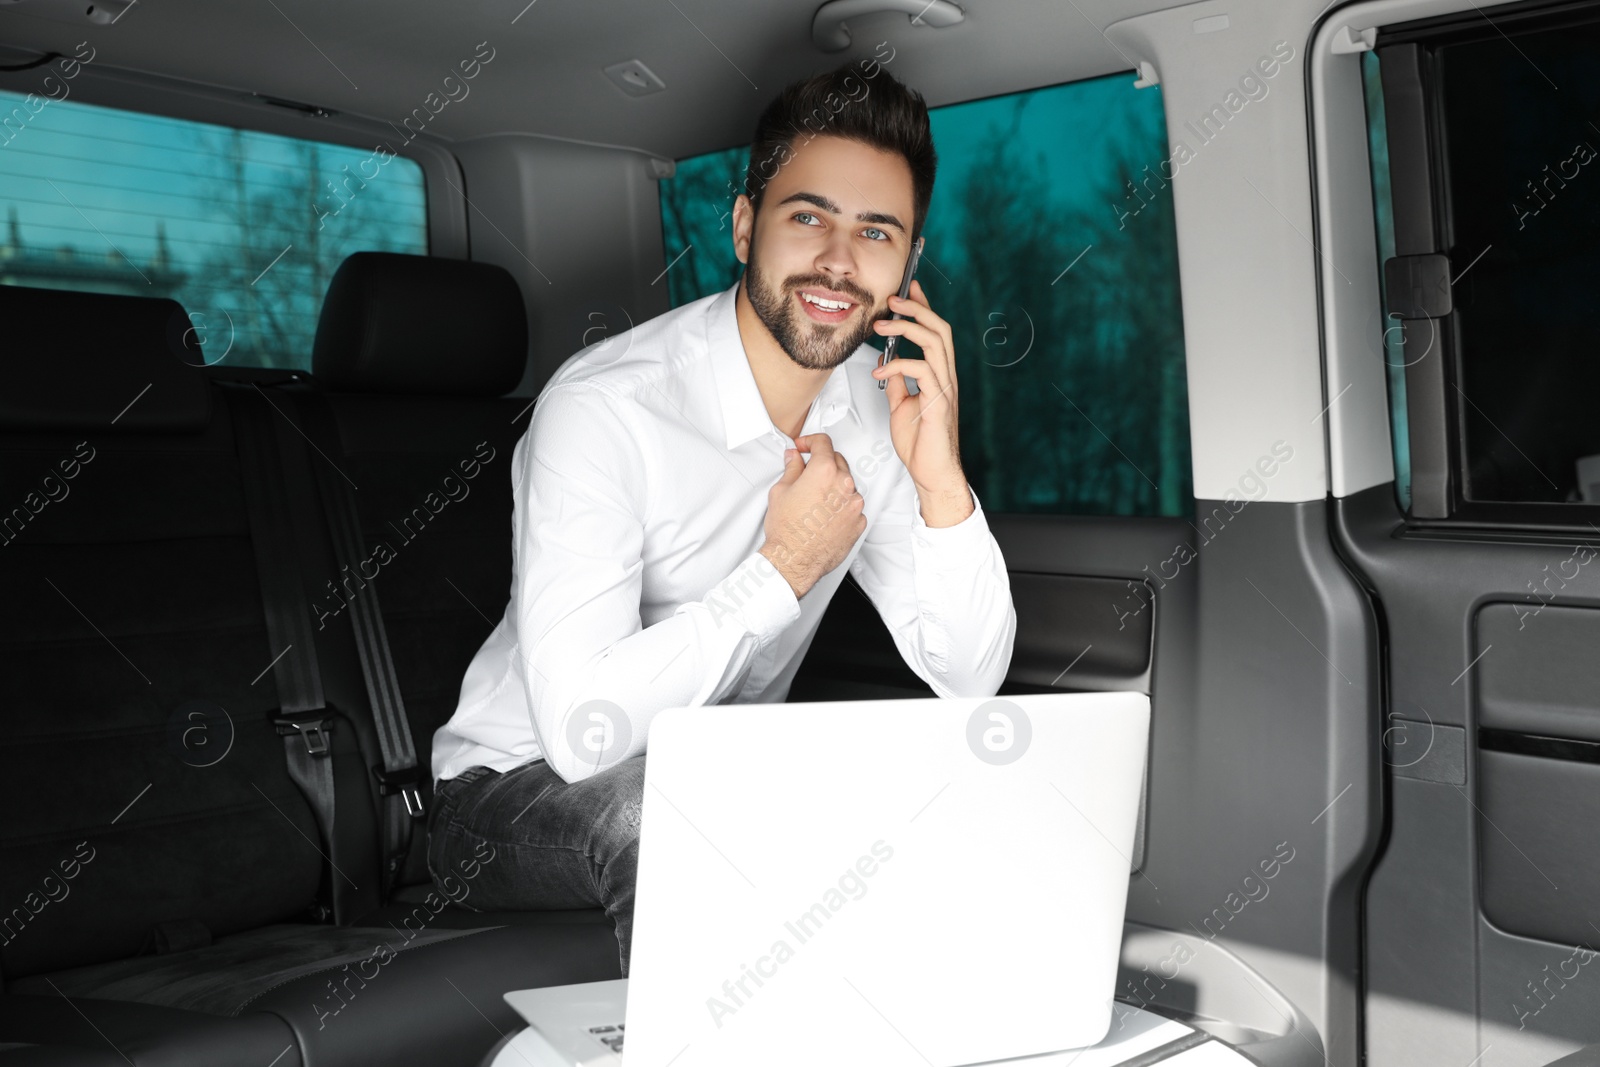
(159, 870)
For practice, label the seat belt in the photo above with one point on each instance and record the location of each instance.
(399, 777)
(302, 719)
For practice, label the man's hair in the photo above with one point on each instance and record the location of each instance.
(874, 110)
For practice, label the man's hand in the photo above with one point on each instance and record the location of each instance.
(925, 428)
(813, 514)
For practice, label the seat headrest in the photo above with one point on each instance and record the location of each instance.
(93, 361)
(394, 323)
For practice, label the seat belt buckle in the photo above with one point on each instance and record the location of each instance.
(405, 783)
(313, 728)
(413, 801)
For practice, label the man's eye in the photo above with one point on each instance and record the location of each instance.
(874, 229)
(804, 215)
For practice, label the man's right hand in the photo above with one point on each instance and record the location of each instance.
(813, 514)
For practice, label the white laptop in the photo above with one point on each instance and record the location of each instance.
(932, 882)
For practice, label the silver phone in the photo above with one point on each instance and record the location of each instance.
(905, 293)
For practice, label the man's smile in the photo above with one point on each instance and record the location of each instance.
(826, 305)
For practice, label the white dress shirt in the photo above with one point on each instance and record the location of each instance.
(640, 496)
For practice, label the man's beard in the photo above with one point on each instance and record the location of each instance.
(813, 345)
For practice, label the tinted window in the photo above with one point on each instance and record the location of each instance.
(244, 229)
(1052, 253)
(1521, 170)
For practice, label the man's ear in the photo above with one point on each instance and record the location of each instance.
(744, 222)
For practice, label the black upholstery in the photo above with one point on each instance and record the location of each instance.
(393, 323)
(434, 472)
(130, 594)
(442, 1003)
(83, 1032)
(127, 565)
(20, 1054)
(129, 366)
(449, 529)
(227, 977)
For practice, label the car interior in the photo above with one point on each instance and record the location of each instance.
(1272, 318)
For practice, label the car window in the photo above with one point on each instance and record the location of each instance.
(1485, 162)
(244, 229)
(1521, 176)
(1052, 252)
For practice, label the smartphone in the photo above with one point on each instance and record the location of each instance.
(905, 292)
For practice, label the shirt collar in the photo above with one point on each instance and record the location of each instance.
(744, 414)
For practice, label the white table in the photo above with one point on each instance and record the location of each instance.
(1136, 1036)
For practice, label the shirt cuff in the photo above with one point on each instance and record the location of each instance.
(758, 598)
(952, 546)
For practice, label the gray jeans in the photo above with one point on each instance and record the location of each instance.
(558, 844)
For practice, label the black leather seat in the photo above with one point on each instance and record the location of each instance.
(158, 892)
(415, 355)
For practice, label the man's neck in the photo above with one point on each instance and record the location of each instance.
(787, 389)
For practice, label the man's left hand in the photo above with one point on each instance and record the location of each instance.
(925, 427)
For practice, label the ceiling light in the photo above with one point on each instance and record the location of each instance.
(634, 78)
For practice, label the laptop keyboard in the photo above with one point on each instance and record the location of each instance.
(609, 1036)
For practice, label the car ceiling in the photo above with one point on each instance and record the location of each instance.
(721, 62)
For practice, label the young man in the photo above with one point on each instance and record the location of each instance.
(673, 546)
